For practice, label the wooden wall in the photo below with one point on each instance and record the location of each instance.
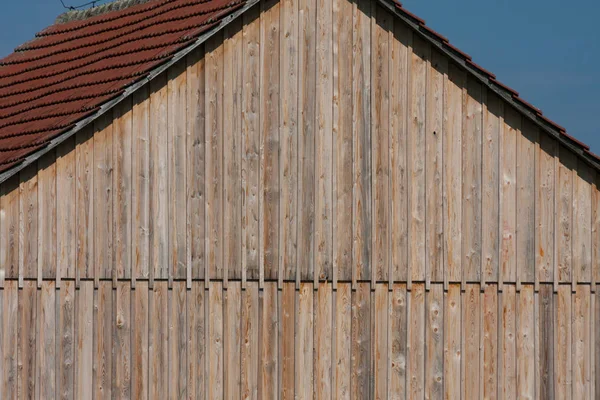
(316, 176)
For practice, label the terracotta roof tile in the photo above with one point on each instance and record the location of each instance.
(41, 83)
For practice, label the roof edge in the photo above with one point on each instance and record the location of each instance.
(80, 15)
(30, 159)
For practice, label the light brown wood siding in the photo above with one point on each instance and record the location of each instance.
(315, 203)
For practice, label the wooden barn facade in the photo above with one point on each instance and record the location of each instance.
(294, 199)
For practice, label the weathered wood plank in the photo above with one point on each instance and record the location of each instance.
(140, 186)
(84, 209)
(382, 25)
(287, 332)
(545, 342)
(434, 228)
(268, 361)
(46, 342)
(526, 205)
(249, 354)
(322, 341)
(9, 380)
(434, 342)
(452, 342)
(490, 187)
(343, 341)
(397, 342)
(564, 214)
(453, 173)
(596, 344)
(47, 217)
(232, 162)
(526, 342)
(361, 140)
(508, 193)
(470, 336)
(122, 181)
(507, 380)
(250, 143)
(65, 210)
(361, 341)
(596, 233)
(400, 53)
(26, 345)
(121, 323)
(582, 344)
(562, 343)
(102, 378)
(342, 140)
(84, 340)
(490, 342)
(471, 180)
(178, 341)
(28, 230)
(195, 161)
(416, 342)
(381, 350)
(232, 340)
(65, 341)
(544, 210)
(158, 353)
(196, 324)
(140, 318)
(158, 179)
(582, 223)
(215, 340)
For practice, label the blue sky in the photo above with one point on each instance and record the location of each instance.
(548, 50)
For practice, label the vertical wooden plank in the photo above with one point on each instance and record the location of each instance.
(288, 126)
(65, 210)
(437, 70)
(84, 340)
(29, 224)
(416, 158)
(250, 143)
(361, 341)
(582, 343)
(215, 340)
(47, 216)
(399, 68)
(526, 343)
(195, 161)
(102, 378)
(178, 341)
(214, 157)
(596, 232)
(269, 139)
(103, 217)
(268, 362)
(65, 341)
(564, 214)
(490, 342)
(176, 142)
(382, 24)
(490, 187)
(380, 342)
(471, 180)
(196, 323)
(434, 342)
(342, 140)
(508, 193)
(470, 337)
(26, 346)
(545, 344)
(232, 337)
(158, 179)
(361, 139)
(562, 344)
(544, 210)
(582, 226)
(140, 186)
(122, 341)
(416, 342)
(526, 161)
(46, 342)
(84, 154)
(304, 342)
(508, 363)
(122, 138)
(158, 355)
(287, 331)
(9, 340)
(139, 341)
(9, 233)
(232, 168)
(343, 341)
(596, 343)
(452, 342)
(453, 173)
(397, 342)
(249, 353)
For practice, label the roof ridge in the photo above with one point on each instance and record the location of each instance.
(79, 15)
